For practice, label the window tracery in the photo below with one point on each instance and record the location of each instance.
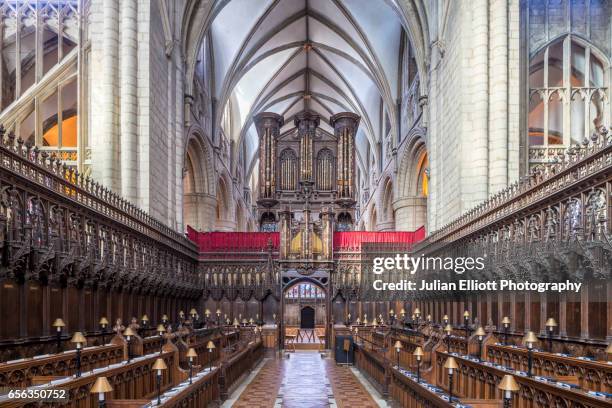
(568, 97)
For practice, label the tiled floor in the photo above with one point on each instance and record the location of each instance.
(305, 380)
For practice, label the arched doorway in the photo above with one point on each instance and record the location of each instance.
(307, 318)
(304, 315)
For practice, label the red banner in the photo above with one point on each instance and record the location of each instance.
(233, 241)
(352, 241)
(260, 241)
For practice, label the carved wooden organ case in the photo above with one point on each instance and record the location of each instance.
(306, 166)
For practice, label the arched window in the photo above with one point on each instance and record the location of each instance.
(288, 170)
(325, 170)
(567, 94)
(423, 175)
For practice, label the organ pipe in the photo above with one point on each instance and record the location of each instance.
(268, 126)
(345, 128)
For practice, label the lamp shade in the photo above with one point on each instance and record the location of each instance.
(506, 320)
(530, 338)
(445, 318)
(480, 332)
(59, 323)
(429, 318)
(165, 317)
(418, 352)
(551, 322)
(417, 312)
(161, 328)
(508, 383)
(218, 312)
(402, 312)
(145, 318)
(160, 364)
(466, 314)
(451, 364)
(192, 311)
(103, 321)
(210, 345)
(207, 312)
(448, 329)
(398, 345)
(191, 352)
(101, 386)
(78, 337)
(129, 332)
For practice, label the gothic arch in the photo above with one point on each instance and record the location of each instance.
(410, 203)
(224, 213)
(373, 219)
(198, 183)
(388, 212)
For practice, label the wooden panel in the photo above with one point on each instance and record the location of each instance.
(9, 303)
(34, 298)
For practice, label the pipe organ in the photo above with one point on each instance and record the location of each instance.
(306, 163)
(268, 127)
(345, 126)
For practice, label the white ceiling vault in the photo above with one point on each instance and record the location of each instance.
(285, 56)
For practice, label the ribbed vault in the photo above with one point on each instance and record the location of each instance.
(286, 56)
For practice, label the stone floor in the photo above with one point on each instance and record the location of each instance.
(305, 380)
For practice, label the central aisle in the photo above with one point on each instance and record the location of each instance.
(305, 380)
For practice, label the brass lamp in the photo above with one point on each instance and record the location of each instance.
(418, 354)
(159, 366)
(191, 354)
(480, 333)
(551, 323)
(101, 387)
(78, 339)
(193, 312)
(210, 346)
(445, 320)
(59, 326)
(466, 322)
(508, 385)
(506, 323)
(448, 329)
(145, 320)
(129, 333)
(161, 330)
(398, 347)
(451, 366)
(103, 325)
(530, 340)
(164, 319)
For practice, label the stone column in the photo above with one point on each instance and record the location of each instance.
(345, 127)
(200, 211)
(103, 139)
(410, 213)
(268, 126)
(129, 102)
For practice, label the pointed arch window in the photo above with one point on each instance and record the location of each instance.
(568, 97)
(325, 170)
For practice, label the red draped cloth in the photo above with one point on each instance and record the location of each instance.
(352, 241)
(233, 241)
(260, 241)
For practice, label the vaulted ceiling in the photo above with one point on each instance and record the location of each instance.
(285, 56)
